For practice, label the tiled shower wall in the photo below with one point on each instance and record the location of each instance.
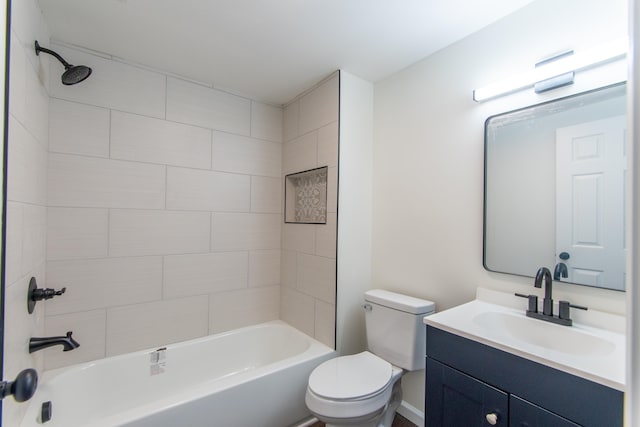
(157, 202)
(164, 210)
(308, 294)
(27, 194)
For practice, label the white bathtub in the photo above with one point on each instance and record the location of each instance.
(250, 377)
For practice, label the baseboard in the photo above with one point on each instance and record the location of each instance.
(407, 410)
(307, 422)
(411, 413)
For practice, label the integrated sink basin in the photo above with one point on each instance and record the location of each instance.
(564, 339)
(594, 353)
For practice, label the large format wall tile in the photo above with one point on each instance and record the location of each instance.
(308, 264)
(78, 128)
(328, 145)
(144, 139)
(299, 238)
(13, 249)
(290, 121)
(156, 324)
(113, 84)
(105, 282)
(210, 108)
(101, 183)
(266, 194)
(88, 329)
(74, 233)
(230, 310)
(320, 106)
(27, 170)
(34, 236)
(264, 268)
(239, 154)
(146, 232)
(18, 78)
(325, 323)
(36, 118)
(300, 154)
(28, 114)
(191, 189)
(288, 268)
(199, 274)
(241, 231)
(317, 277)
(326, 235)
(298, 310)
(266, 122)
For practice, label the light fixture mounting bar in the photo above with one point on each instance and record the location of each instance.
(557, 81)
(580, 60)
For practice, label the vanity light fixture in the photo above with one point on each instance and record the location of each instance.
(579, 60)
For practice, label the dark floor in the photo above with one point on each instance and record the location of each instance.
(399, 421)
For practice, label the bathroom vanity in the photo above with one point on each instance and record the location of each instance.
(480, 372)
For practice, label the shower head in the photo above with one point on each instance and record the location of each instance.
(73, 73)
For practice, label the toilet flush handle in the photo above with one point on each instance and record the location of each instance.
(367, 307)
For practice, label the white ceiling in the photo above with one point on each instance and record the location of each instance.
(270, 50)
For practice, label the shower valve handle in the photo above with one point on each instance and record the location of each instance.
(44, 294)
(35, 294)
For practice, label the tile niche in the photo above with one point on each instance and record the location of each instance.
(306, 197)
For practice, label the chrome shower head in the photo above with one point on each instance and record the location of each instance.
(73, 74)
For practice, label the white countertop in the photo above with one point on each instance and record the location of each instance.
(604, 365)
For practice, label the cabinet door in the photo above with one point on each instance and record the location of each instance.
(526, 414)
(453, 399)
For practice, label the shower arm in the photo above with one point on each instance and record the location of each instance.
(52, 53)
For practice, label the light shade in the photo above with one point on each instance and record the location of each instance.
(580, 60)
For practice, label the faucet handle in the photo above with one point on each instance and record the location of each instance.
(22, 388)
(565, 309)
(35, 294)
(533, 302)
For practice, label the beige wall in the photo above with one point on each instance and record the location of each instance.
(428, 156)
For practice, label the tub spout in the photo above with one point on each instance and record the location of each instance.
(66, 342)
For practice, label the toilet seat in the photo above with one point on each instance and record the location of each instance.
(354, 377)
(370, 383)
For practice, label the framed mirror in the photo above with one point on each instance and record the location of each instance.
(555, 189)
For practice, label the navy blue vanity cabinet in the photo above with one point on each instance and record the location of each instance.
(462, 400)
(526, 414)
(472, 384)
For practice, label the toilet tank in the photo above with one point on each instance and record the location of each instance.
(395, 330)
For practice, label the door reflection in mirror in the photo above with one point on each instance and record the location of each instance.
(555, 188)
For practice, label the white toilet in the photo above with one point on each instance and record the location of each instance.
(364, 389)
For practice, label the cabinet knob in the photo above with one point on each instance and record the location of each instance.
(492, 418)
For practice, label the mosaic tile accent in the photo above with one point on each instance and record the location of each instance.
(306, 197)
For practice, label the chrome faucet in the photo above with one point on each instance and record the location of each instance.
(547, 304)
(66, 342)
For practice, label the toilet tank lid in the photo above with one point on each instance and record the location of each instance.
(399, 302)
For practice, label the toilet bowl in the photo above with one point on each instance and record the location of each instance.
(364, 389)
(352, 390)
